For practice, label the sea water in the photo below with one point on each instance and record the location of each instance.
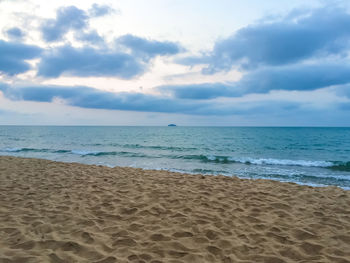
(312, 156)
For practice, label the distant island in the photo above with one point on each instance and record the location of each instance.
(171, 125)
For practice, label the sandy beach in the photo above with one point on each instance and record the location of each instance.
(69, 212)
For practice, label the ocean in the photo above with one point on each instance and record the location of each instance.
(311, 156)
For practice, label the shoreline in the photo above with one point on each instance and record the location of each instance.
(71, 212)
(185, 172)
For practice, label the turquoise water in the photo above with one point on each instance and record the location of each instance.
(312, 156)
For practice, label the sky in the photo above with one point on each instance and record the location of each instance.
(155, 62)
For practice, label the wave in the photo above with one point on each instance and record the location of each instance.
(18, 150)
(76, 152)
(258, 161)
(112, 153)
(84, 152)
(15, 150)
(139, 146)
(334, 165)
(341, 166)
(270, 161)
(158, 147)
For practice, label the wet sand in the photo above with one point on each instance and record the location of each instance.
(62, 212)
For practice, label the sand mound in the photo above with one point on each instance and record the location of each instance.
(59, 212)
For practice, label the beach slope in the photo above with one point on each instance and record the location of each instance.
(69, 212)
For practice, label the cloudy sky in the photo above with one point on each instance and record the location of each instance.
(190, 62)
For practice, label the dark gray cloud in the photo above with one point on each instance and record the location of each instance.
(15, 33)
(295, 77)
(90, 37)
(87, 97)
(14, 56)
(148, 48)
(100, 10)
(72, 18)
(129, 57)
(305, 50)
(67, 18)
(87, 61)
(312, 34)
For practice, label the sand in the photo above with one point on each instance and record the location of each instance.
(62, 212)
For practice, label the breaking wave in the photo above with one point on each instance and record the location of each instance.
(334, 165)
